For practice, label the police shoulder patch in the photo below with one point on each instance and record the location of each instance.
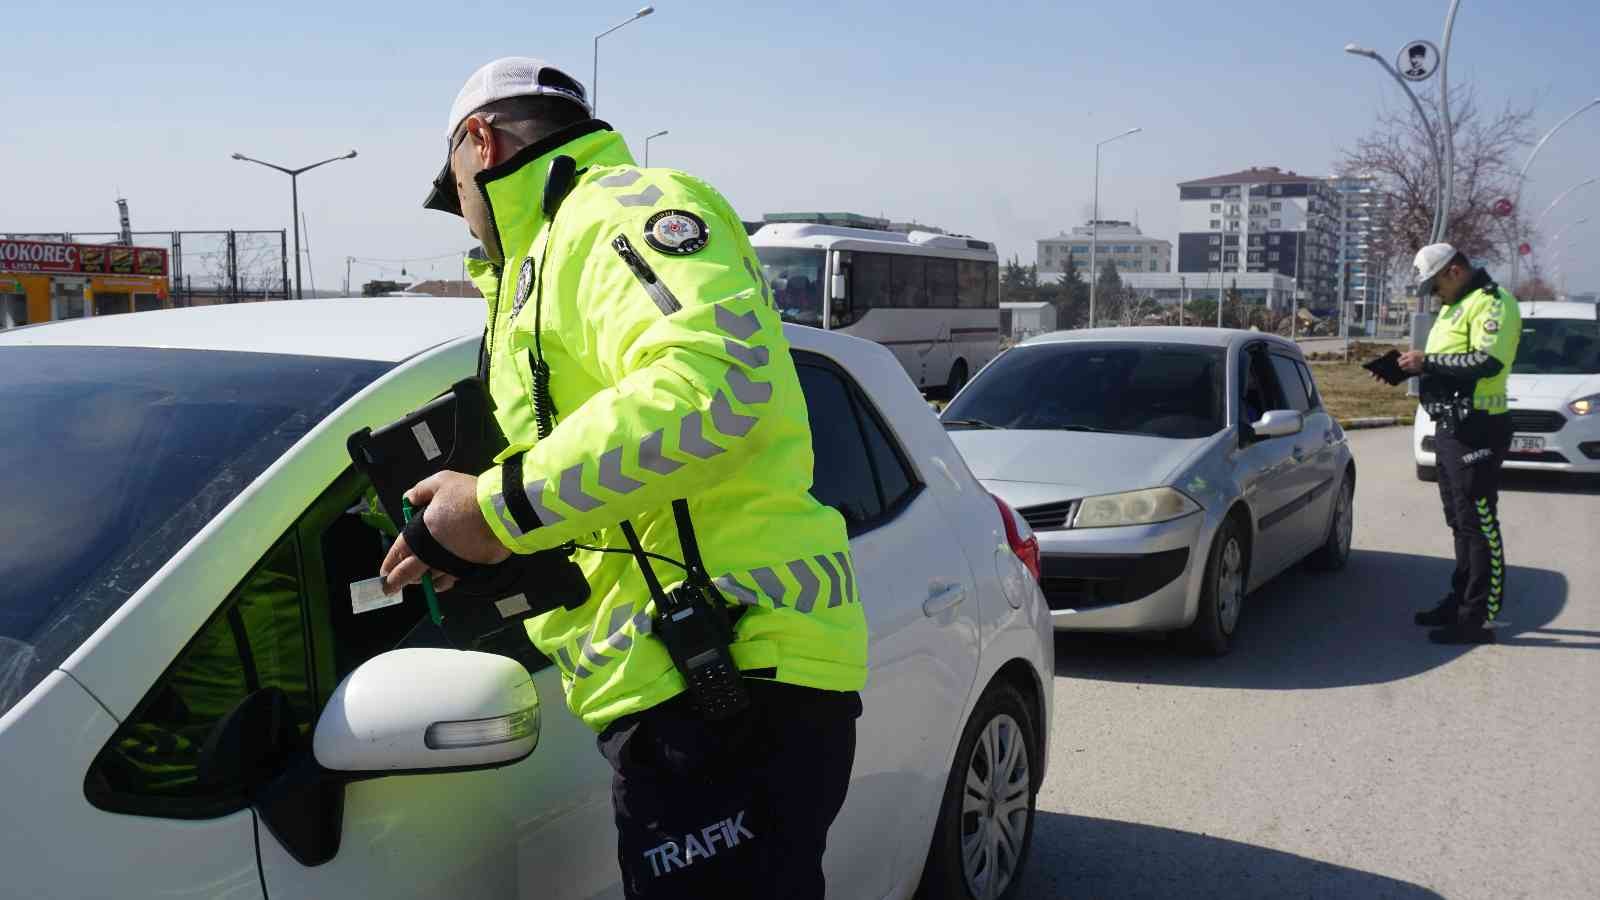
(524, 285)
(1491, 325)
(676, 232)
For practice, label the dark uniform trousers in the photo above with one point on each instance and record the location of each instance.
(1469, 461)
(736, 808)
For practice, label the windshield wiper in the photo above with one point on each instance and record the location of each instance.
(970, 423)
(1089, 428)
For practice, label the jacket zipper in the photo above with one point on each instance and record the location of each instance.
(655, 287)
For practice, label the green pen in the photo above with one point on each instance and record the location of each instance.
(406, 512)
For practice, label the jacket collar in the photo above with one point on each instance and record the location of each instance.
(514, 189)
(1480, 280)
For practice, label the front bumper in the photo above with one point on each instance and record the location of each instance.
(1572, 446)
(1131, 578)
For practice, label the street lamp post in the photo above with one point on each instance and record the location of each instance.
(1556, 238)
(1427, 125)
(1557, 202)
(1094, 221)
(294, 195)
(1447, 187)
(1516, 205)
(661, 133)
(594, 74)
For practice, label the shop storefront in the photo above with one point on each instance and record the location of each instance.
(43, 281)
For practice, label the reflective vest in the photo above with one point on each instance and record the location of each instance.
(670, 378)
(1483, 322)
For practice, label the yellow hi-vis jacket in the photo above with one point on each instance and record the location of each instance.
(671, 378)
(1471, 348)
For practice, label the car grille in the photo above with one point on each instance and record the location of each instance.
(1087, 582)
(1537, 421)
(1048, 516)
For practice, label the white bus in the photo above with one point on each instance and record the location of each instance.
(933, 299)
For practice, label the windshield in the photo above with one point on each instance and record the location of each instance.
(796, 279)
(1558, 347)
(1161, 390)
(112, 458)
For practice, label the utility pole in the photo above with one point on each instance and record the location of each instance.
(1094, 221)
(294, 194)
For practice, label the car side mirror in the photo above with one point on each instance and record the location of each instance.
(1278, 423)
(429, 709)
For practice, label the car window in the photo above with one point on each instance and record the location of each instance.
(1259, 391)
(1162, 390)
(156, 762)
(113, 459)
(1294, 390)
(858, 469)
(290, 625)
(1558, 347)
(1310, 385)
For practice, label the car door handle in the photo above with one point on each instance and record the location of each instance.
(942, 597)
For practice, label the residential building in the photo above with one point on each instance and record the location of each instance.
(1262, 220)
(1363, 287)
(1128, 248)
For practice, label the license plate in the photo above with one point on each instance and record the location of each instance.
(1522, 444)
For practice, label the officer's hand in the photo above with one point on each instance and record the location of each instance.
(454, 519)
(1411, 362)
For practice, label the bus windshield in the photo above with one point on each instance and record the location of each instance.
(796, 278)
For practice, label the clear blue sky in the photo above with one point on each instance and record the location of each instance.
(980, 117)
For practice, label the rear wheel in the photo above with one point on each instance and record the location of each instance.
(1335, 550)
(1222, 595)
(1427, 473)
(957, 378)
(985, 827)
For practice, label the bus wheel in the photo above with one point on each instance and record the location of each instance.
(958, 378)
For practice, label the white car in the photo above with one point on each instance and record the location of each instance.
(191, 705)
(1553, 391)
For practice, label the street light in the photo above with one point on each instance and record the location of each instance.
(1427, 125)
(1516, 205)
(294, 194)
(1557, 202)
(594, 75)
(1562, 230)
(661, 133)
(1094, 219)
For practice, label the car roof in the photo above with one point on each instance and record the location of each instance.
(387, 330)
(1564, 309)
(1161, 334)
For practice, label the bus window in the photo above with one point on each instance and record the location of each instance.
(869, 282)
(796, 278)
(972, 283)
(908, 282)
(942, 283)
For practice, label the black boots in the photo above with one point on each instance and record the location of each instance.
(1444, 614)
(1468, 632)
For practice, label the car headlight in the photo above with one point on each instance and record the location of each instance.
(1585, 405)
(1144, 507)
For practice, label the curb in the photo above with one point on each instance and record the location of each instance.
(1374, 422)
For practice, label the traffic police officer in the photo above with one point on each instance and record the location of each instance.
(635, 358)
(1464, 369)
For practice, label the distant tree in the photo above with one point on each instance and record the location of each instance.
(1108, 293)
(1398, 154)
(1019, 283)
(1070, 297)
(1535, 288)
(1200, 312)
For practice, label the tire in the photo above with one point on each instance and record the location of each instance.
(1001, 725)
(957, 378)
(1427, 473)
(1222, 595)
(1335, 549)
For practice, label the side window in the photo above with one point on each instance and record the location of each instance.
(857, 469)
(155, 764)
(942, 283)
(1259, 388)
(1310, 386)
(869, 281)
(972, 284)
(908, 275)
(1294, 390)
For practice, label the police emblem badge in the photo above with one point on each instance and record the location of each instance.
(677, 232)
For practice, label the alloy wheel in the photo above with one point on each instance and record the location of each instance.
(994, 812)
(1230, 585)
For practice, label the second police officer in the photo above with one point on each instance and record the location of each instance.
(641, 375)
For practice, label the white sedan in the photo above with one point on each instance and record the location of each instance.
(194, 702)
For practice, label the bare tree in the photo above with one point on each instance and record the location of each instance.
(1398, 154)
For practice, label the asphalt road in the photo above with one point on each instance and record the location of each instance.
(1337, 753)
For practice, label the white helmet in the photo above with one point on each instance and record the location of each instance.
(1430, 261)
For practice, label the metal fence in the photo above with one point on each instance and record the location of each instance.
(232, 266)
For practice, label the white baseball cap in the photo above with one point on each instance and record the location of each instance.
(1430, 261)
(510, 76)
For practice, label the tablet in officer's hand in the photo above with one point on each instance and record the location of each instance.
(1387, 367)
